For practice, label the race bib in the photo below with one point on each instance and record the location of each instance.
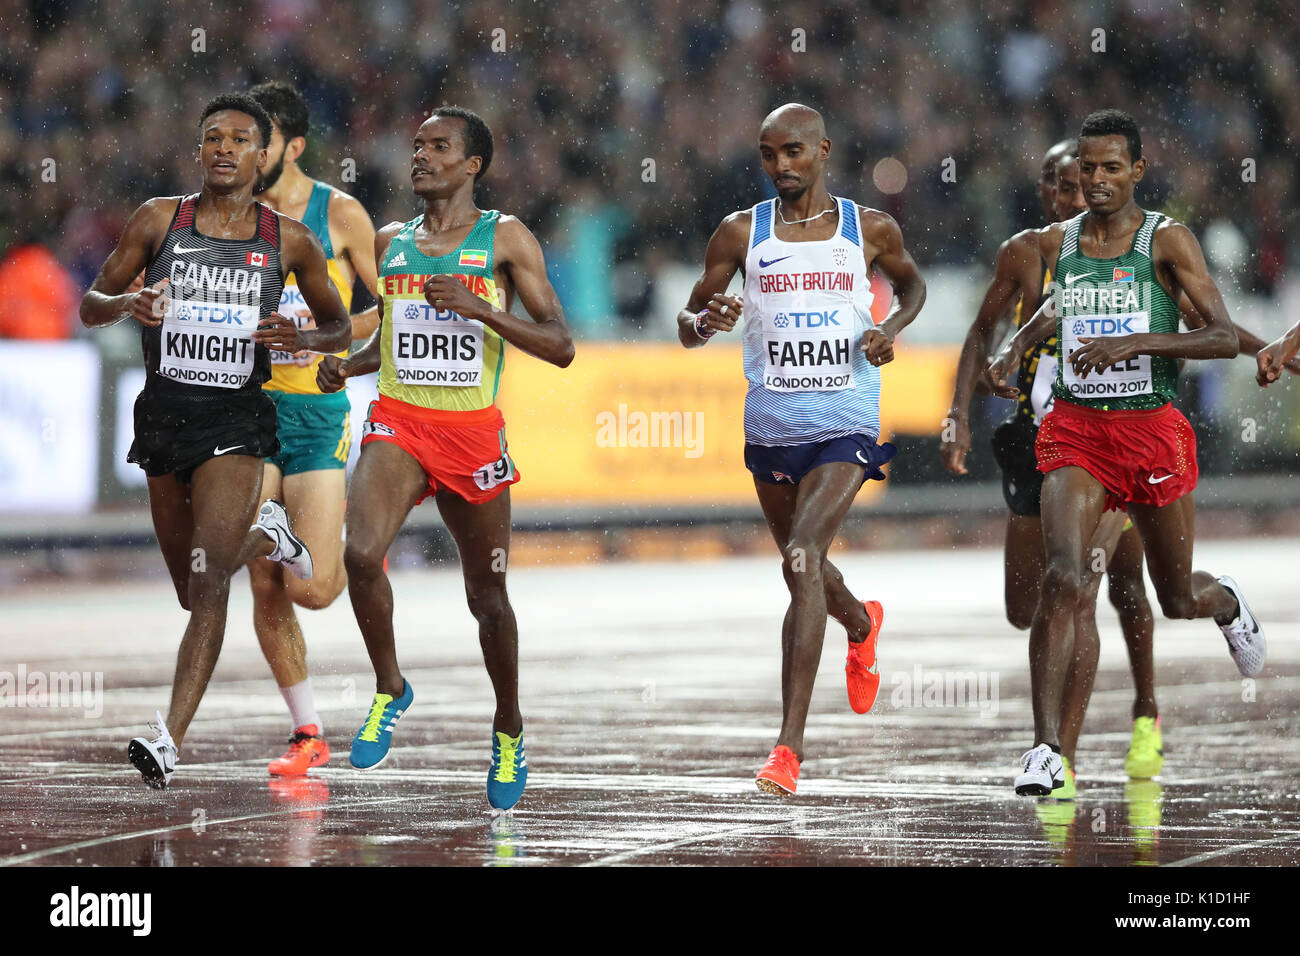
(1130, 377)
(808, 351)
(208, 343)
(435, 346)
(292, 306)
(489, 476)
(1040, 397)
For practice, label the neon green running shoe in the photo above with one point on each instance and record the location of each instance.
(1144, 801)
(1146, 751)
(1067, 790)
(1057, 820)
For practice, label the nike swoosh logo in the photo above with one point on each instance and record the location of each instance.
(863, 460)
(221, 451)
(1071, 280)
(770, 262)
(180, 251)
(1155, 481)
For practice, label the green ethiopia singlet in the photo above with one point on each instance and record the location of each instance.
(1096, 298)
(431, 357)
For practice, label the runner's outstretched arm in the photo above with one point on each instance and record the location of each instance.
(544, 333)
(333, 371)
(1029, 334)
(1276, 355)
(359, 235)
(1174, 249)
(108, 301)
(722, 259)
(881, 232)
(1248, 343)
(1016, 262)
(301, 253)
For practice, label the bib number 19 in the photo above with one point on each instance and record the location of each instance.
(489, 476)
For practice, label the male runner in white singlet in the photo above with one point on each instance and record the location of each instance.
(812, 354)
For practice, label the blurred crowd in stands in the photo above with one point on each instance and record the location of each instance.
(625, 131)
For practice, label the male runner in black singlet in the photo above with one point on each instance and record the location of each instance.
(214, 266)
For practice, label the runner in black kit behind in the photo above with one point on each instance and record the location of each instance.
(214, 266)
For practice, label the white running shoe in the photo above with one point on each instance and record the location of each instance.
(155, 759)
(289, 549)
(1044, 772)
(1245, 636)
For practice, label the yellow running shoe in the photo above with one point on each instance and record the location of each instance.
(1146, 751)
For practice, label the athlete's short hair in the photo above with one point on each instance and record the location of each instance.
(1114, 123)
(245, 104)
(477, 137)
(285, 104)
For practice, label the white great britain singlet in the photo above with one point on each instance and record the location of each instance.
(807, 306)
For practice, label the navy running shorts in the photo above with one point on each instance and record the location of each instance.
(787, 464)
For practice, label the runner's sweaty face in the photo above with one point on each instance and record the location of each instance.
(231, 150)
(1106, 173)
(439, 165)
(270, 173)
(1067, 199)
(792, 160)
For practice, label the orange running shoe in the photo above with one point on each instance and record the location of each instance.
(861, 671)
(307, 749)
(780, 773)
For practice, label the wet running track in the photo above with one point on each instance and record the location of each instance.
(650, 696)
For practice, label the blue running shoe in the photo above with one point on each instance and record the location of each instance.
(509, 771)
(370, 745)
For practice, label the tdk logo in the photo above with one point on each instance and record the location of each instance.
(211, 314)
(1104, 326)
(415, 311)
(806, 320)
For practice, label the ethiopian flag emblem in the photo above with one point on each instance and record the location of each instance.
(475, 258)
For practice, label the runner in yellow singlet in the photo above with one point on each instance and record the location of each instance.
(308, 473)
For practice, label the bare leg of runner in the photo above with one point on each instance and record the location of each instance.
(314, 501)
(1167, 536)
(482, 534)
(822, 500)
(1087, 643)
(777, 502)
(1073, 501)
(223, 499)
(386, 485)
(1128, 595)
(1023, 561)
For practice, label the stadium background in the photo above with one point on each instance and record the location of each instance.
(97, 103)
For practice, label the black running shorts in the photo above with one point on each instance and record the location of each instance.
(174, 435)
(1022, 482)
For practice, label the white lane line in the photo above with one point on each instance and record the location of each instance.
(119, 837)
(1235, 848)
(737, 830)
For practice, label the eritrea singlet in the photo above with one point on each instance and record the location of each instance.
(219, 290)
(1035, 398)
(807, 306)
(431, 357)
(1118, 296)
(289, 374)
